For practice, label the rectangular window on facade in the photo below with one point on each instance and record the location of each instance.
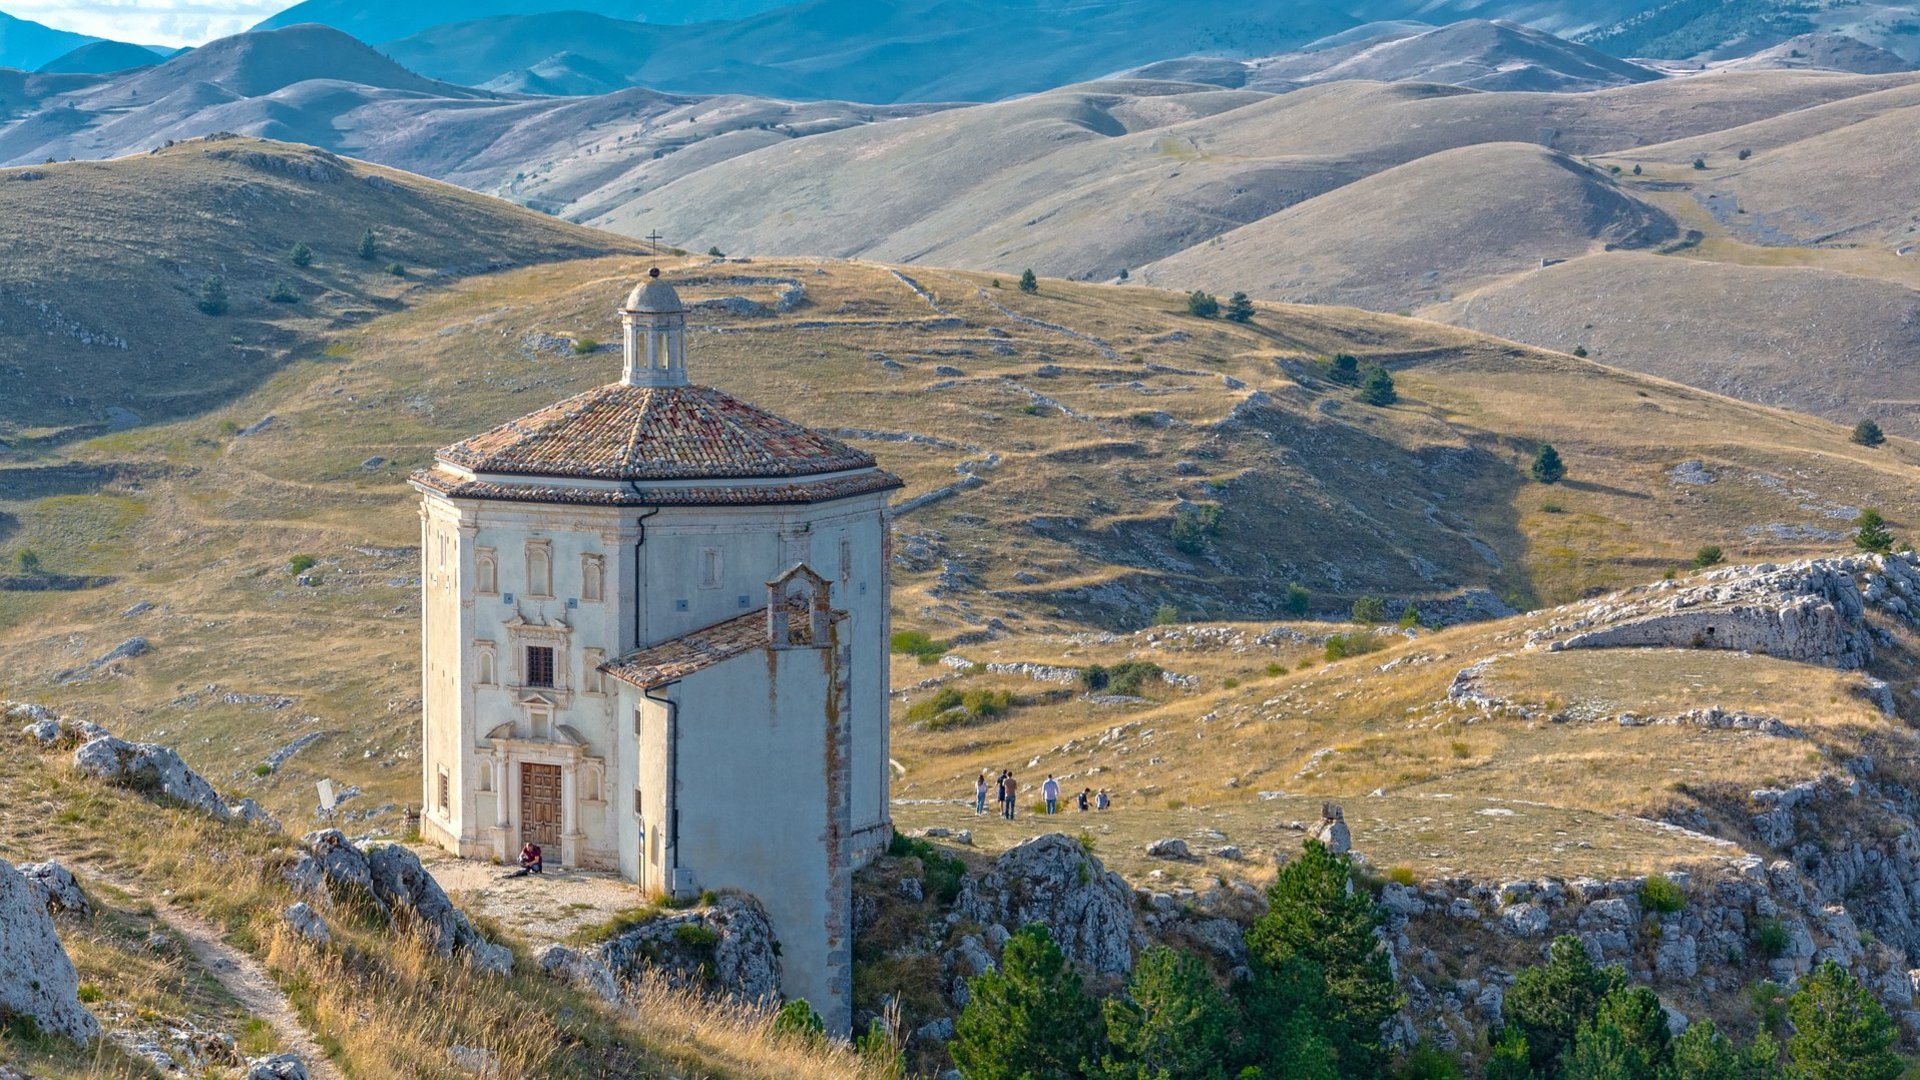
(846, 559)
(486, 573)
(446, 794)
(636, 800)
(539, 665)
(710, 568)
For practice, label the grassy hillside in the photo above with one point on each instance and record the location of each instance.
(105, 265)
(1091, 418)
(1086, 181)
(1426, 234)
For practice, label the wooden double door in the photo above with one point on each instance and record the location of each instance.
(541, 812)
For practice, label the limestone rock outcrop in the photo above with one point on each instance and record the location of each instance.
(727, 950)
(573, 966)
(1052, 880)
(157, 772)
(1810, 611)
(37, 979)
(391, 880)
(57, 885)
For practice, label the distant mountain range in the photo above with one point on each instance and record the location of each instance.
(386, 22)
(26, 44)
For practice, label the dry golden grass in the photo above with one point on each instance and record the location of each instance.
(380, 1004)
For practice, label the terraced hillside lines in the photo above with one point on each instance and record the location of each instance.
(1837, 345)
(1049, 442)
(1426, 233)
(106, 268)
(1087, 181)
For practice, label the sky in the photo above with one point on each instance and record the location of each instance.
(148, 22)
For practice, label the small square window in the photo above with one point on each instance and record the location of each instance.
(680, 604)
(745, 601)
(539, 665)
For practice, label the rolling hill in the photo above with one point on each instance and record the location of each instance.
(26, 44)
(1427, 234)
(101, 58)
(1476, 53)
(106, 264)
(376, 23)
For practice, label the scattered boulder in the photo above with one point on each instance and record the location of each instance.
(1052, 880)
(1171, 847)
(303, 920)
(277, 1067)
(37, 979)
(1332, 829)
(572, 965)
(151, 769)
(728, 950)
(59, 888)
(391, 880)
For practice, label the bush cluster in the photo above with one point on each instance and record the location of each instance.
(1127, 678)
(919, 644)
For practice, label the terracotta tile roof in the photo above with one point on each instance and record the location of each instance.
(621, 432)
(658, 665)
(799, 492)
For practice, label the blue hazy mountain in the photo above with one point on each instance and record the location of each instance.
(101, 58)
(26, 44)
(377, 22)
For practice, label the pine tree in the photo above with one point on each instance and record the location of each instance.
(1839, 1031)
(1551, 1002)
(1173, 1021)
(1376, 388)
(1031, 1019)
(369, 247)
(1318, 915)
(213, 295)
(283, 292)
(1702, 1053)
(1628, 1040)
(1344, 368)
(1286, 1012)
(301, 255)
(1510, 1059)
(1547, 466)
(1868, 433)
(1239, 308)
(1029, 283)
(1870, 532)
(1202, 305)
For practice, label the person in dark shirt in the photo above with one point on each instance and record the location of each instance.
(531, 861)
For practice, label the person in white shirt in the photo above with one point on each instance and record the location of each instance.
(1051, 789)
(980, 795)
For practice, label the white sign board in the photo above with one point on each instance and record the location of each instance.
(326, 796)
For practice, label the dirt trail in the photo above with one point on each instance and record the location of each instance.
(243, 976)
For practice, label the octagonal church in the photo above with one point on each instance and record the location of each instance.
(655, 641)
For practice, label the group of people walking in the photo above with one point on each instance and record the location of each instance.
(1009, 790)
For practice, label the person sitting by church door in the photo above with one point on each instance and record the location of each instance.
(531, 861)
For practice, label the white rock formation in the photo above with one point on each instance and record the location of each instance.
(37, 979)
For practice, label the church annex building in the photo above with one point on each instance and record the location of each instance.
(655, 641)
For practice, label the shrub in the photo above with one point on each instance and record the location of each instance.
(1029, 283)
(1341, 646)
(1130, 677)
(396, 270)
(1868, 433)
(917, 643)
(1662, 895)
(1401, 875)
(1580, 351)
(1772, 938)
(301, 255)
(1637, 170)
(1870, 532)
(695, 935)
(1195, 528)
(1369, 609)
(213, 295)
(1709, 555)
(1094, 677)
(263, 769)
(797, 1018)
(950, 707)
(369, 246)
(1552, 508)
(1202, 305)
(1239, 308)
(1699, 163)
(585, 345)
(1166, 615)
(300, 564)
(716, 252)
(1298, 601)
(1275, 669)
(1460, 749)
(1230, 683)
(1376, 388)
(29, 561)
(1547, 466)
(1746, 152)
(1410, 617)
(283, 292)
